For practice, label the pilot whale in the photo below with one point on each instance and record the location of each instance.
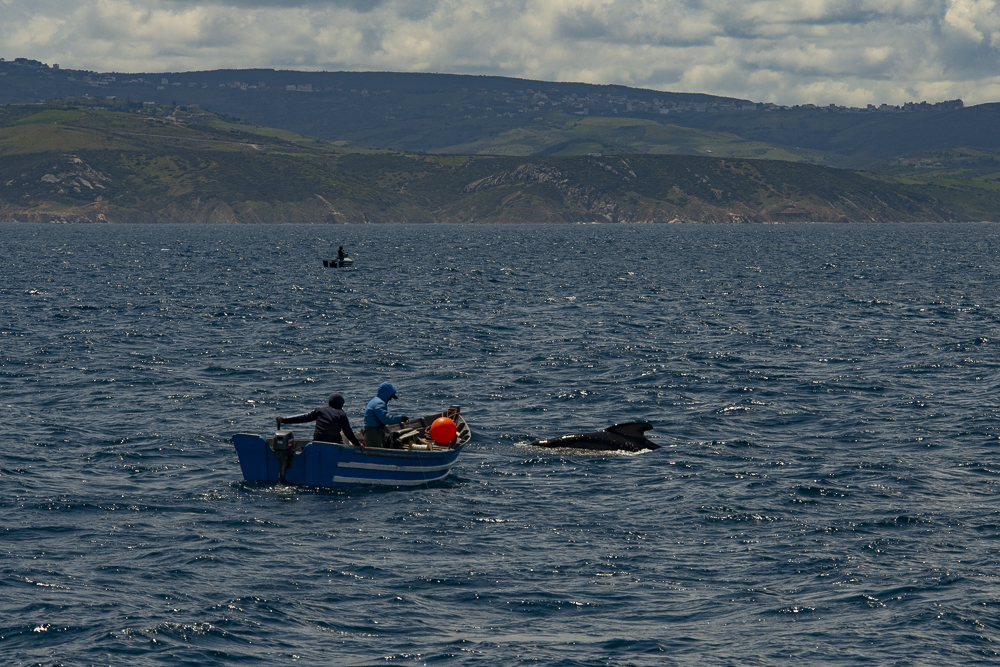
(620, 437)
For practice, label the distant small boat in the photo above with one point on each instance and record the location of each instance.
(412, 459)
(338, 263)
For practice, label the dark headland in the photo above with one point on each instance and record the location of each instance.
(245, 146)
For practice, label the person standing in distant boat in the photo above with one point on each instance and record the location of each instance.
(377, 416)
(330, 422)
(341, 254)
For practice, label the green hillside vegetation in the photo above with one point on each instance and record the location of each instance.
(573, 135)
(870, 140)
(118, 161)
(482, 115)
(963, 179)
(399, 111)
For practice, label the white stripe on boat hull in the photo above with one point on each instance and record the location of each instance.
(394, 468)
(371, 481)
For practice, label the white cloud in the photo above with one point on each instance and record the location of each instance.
(37, 31)
(788, 51)
(975, 19)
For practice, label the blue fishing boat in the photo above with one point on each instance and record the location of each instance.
(410, 457)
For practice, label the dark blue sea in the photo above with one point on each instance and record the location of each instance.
(827, 398)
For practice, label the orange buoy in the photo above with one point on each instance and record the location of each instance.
(443, 430)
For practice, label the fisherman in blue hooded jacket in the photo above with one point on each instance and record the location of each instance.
(377, 415)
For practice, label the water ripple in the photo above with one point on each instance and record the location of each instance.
(826, 397)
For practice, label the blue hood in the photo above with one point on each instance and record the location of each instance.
(385, 391)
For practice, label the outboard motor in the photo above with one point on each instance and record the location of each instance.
(283, 441)
(284, 449)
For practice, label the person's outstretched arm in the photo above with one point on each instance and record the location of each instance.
(299, 419)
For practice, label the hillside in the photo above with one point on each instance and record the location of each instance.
(127, 162)
(484, 115)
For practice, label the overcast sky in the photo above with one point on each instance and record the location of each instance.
(786, 51)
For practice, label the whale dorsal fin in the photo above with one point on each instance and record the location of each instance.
(630, 429)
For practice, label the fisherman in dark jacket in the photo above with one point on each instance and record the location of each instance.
(330, 421)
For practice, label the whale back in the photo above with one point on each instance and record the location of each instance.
(630, 429)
